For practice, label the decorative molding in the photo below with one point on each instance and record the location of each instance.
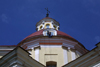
(30, 42)
(51, 54)
(78, 53)
(32, 46)
(69, 46)
(52, 46)
(6, 49)
(68, 41)
(50, 43)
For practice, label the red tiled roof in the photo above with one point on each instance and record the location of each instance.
(35, 34)
(64, 34)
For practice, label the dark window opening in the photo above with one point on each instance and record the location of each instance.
(41, 27)
(54, 26)
(51, 64)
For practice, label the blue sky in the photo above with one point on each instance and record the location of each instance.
(78, 18)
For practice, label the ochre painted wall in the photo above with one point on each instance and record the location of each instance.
(55, 54)
(32, 53)
(51, 54)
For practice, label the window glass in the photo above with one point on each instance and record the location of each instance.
(51, 33)
(47, 26)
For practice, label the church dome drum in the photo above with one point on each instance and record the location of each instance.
(49, 45)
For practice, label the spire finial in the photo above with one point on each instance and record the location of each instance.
(47, 15)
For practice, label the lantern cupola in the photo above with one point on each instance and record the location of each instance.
(47, 23)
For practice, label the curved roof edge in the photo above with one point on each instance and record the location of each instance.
(40, 34)
(46, 19)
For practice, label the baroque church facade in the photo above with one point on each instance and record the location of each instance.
(49, 47)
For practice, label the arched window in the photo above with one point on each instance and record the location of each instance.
(40, 27)
(51, 64)
(47, 25)
(54, 26)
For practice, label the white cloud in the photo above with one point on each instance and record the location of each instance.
(4, 18)
(97, 38)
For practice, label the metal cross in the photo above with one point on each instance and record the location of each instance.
(47, 12)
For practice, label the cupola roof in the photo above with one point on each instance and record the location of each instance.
(47, 19)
